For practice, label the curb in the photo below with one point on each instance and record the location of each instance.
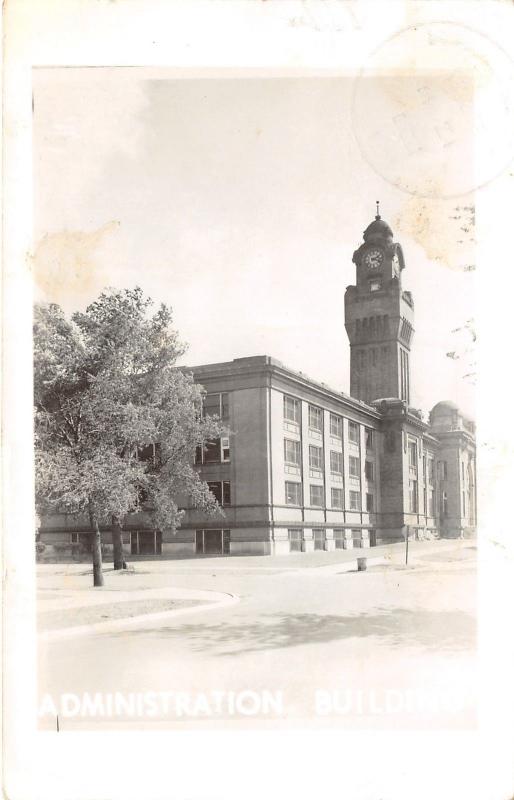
(128, 623)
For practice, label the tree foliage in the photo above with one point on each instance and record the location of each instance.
(107, 391)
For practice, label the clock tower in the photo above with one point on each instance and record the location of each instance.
(379, 318)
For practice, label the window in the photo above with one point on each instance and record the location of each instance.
(369, 469)
(315, 457)
(370, 504)
(337, 498)
(292, 409)
(292, 452)
(375, 286)
(336, 462)
(463, 504)
(413, 455)
(318, 534)
(315, 418)
(444, 504)
(431, 503)
(316, 495)
(443, 470)
(293, 493)
(212, 542)
(212, 451)
(336, 426)
(74, 538)
(216, 405)
(295, 536)
(369, 439)
(355, 467)
(353, 432)
(413, 496)
(431, 473)
(339, 538)
(355, 501)
(225, 448)
(221, 491)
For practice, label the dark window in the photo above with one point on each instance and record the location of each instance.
(369, 469)
(353, 432)
(318, 535)
(293, 493)
(413, 455)
(212, 451)
(337, 498)
(355, 501)
(413, 496)
(295, 536)
(355, 467)
(221, 491)
(316, 495)
(369, 439)
(370, 503)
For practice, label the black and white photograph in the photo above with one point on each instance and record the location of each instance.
(257, 462)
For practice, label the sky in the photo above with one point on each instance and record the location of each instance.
(240, 201)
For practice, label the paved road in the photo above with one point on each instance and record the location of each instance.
(386, 647)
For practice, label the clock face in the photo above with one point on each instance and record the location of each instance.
(373, 258)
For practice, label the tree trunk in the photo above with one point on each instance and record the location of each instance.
(96, 548)
(117, 544)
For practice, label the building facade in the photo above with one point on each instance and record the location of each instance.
(303, 467)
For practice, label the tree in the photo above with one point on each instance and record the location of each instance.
(107, 392)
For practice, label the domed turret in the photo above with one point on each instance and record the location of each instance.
(378, 229)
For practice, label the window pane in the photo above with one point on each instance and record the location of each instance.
(336, 462)
(293, 493)
(315, 457)
(353, 432)
(225, 448)
(315, 418)
(212, 451)
(291, 409)
(215, 489)
(369, 502)
(316, 495)
(292, 452)
(337, 498)
(354, 467)
(226, 493)
(211, 405)
(336, 426)
(224, 406)
(369, 439)
(369, 470)
(355, 501)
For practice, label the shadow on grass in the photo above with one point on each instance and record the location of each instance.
(444, 631)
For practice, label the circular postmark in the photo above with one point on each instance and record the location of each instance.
(433, 110)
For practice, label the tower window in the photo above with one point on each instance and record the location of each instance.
(375, 286)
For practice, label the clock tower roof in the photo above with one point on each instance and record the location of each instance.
(378, 229)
